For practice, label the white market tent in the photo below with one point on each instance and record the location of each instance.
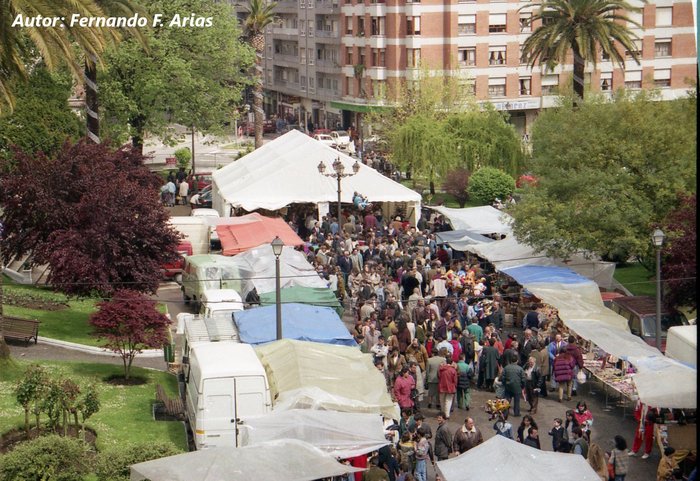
(343, 435)
(288, 459)
(482, 220)
(285, 171)
(311, 375)
(660, 381)
(502, 459)
(682, 344)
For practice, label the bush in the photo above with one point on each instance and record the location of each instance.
(48, 458)
(113, 464)
(183, 156)
(487, 184)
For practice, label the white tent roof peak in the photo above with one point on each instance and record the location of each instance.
(285, 171)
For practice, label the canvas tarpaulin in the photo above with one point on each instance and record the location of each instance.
(238, 234)
(257, 268)
(682, 344)
(299, 321)
(287, 459)
(574, 296)
(660, 381)
(343, 435)
(502, 459)
(316, 296)
(509, 252)
(480, 220)
(310, 375)
(460, 239)
(285, 171)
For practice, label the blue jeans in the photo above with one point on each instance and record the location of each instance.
(620, 477)
(514, 399)
(421, 471)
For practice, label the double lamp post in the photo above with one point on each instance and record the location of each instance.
(339, 174)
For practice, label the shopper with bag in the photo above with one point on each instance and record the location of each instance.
(618, 460)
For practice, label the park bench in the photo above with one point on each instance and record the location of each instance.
(20, 329)
(173, 406)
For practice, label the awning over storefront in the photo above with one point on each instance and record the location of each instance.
(361, 108)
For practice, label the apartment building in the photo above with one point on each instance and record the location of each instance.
(328, 60)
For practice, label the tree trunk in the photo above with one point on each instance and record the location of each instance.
(138, 125)
(4, 350)
(258, 114)
(579, 67)
(26, 421)
(91, 103)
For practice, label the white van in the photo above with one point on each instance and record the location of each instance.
(220, 303)
(195, 230)
(224, 382)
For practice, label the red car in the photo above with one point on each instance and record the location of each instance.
(173, 270)
(268, 128)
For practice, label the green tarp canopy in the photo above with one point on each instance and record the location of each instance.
(304, 295)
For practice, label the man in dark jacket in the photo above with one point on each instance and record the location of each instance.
(443, 439)
(513, 379)
(528, 344)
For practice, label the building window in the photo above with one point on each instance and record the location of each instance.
(311, 28)
(378, 24)
(522, 56)
(606, 82)
(662, 47)
(412, 25)
(550, 83)
(361, 26)
(379, 88)
(467, 56)
(350, 84)
(268, 74)
(348, 56)
(379, 57)
(525, 22)
(525, 86)
(302, 83)
(348, 25)
(312, 84)
(633, 80)
(302, 54)
(412, 57)
(497, 55)
(664, 16)
(636, 17)
(497, 22)
(637, 48)
(269, 51)
(466, 24)
(497, 87)
(662, 78)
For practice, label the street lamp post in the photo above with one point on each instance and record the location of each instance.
(338, 173)
(658, 239)
(277, 246)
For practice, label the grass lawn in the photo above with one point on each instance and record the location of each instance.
(125, 415)
(448, 200)
(67, 324)
(637, 279)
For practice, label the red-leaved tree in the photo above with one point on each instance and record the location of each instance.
(92, 213)
(456, 183)
(129, 323)
(679, 268)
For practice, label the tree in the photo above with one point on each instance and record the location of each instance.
(190, 75)
(29, 392)
(607, 172)
(92, 214)
(130, 323)
(678, 269)
(41, 119)
(20, 47)
(261, 13)
(587, 28)
(487, 184)
(456, 183)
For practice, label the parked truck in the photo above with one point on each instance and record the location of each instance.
(195, 230)
(224, 382)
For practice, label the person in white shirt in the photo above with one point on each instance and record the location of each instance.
(380, 351)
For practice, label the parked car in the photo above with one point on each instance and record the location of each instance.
(214, 242)
(609, 296)
(343, 140)
(322, 131)
(205, 197)
(203, 180)
(173, 270)
(326, 139)
(640, 312)
(268, 127)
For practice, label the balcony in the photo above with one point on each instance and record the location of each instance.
(287, 6)
(329, 66)
(327, 6)
(328, 36)
(286, 60)
(330, 94)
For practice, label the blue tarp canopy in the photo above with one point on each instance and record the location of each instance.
(525, 275)
(302, 322)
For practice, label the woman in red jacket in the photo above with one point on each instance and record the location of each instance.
(563, 372)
